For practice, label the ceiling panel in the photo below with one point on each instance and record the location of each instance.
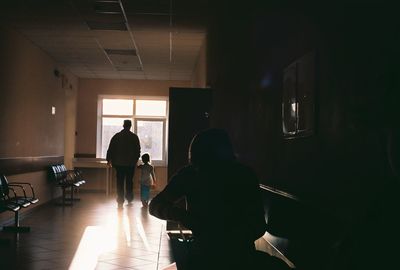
(105, 76)
(151, 36)
(114, 39)
(87, 75)
(99, 68)
(167, 35)
(147, 7)
(136, 75)
(149, 22)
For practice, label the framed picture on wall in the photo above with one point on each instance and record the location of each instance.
(298, 112)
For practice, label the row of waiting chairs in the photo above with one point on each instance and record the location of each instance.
(18, 195)
(13, 197)
(67, 180)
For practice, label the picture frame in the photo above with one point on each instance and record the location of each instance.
(298, 97)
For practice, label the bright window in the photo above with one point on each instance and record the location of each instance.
(118, 106)
(151, 107)
(149, 119)
(151, 134)
(110, 126)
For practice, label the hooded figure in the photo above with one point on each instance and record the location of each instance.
(224, 209)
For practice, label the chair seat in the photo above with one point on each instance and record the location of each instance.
(22, 202)
(9, 207)
(33, 200)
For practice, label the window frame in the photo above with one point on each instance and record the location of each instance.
(134, 119)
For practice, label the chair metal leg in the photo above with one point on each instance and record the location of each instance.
(73, 198)
(64, 199)
(16, 228)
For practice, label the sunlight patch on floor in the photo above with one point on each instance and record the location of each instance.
(142, 233)
(95, 241)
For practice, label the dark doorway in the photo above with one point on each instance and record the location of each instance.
(189, 112)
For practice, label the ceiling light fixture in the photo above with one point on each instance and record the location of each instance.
(107, 7)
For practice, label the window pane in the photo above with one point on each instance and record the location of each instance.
(151, 107)
(151, 138)
(117, 106)
(110, 127)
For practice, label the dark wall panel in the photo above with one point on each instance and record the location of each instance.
(189, 113)
(345, 167)
(356, 79)
(9, 166)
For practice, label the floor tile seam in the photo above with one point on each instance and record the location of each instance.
(124, 265)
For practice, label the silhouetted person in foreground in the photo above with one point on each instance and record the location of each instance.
(123, 154)
(224, 207)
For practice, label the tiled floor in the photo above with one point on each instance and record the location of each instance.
(92, 234)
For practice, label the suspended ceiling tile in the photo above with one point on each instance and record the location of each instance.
(152, 37)
(60, 28)
(131, 75)
(147, 7)
(181, 77)
(77, 70)
(153, 53)
(86, 75)
(104, 69)
(114, 40)
(125, 61)
(109, 76)
(95, 61)
(149, 22)
(156, 68)
(156, 62)
(158, 77)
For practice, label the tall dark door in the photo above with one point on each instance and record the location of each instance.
(189, 112)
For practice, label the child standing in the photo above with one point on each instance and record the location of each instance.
(147, 179)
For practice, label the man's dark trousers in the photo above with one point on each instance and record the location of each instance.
(125, 183)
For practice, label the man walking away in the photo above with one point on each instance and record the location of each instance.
(123, 154)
